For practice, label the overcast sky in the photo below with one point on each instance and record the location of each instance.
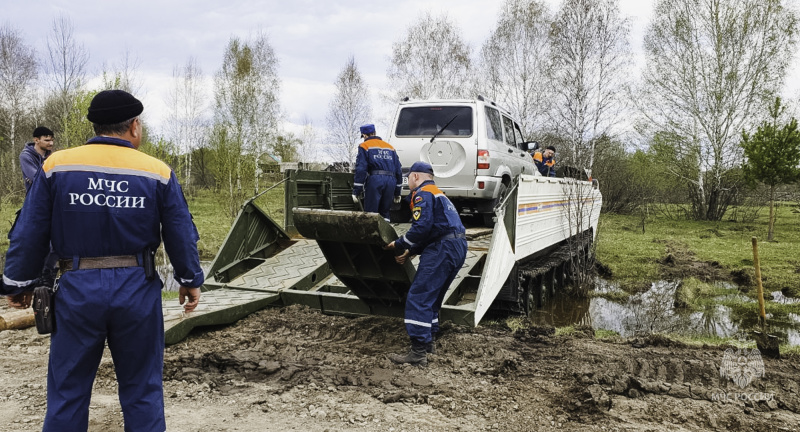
(312, 39)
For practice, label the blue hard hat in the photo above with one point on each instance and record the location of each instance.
(367, 129)
(421, 167)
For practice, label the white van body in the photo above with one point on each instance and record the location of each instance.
(479, 150)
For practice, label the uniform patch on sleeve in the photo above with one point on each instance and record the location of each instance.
(416, 212)
(417, 199)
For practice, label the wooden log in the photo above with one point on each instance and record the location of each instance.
(17, 319)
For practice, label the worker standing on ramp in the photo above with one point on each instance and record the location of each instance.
(438, 235)
(378, 173)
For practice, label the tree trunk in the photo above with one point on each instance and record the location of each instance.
(771, 212)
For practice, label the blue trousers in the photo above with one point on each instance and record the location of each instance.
(438, 266)
(378, 194)
(92, 307)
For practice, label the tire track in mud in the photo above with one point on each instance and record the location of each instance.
(524, 380)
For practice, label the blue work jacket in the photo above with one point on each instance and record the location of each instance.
(102, 199)
(434, 217)
(374, 154)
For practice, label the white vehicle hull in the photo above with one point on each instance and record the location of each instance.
(545, 211)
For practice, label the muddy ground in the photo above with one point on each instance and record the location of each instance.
(297, 369)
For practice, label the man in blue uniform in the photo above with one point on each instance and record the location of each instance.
(34, 153)
(105, 206)
(544, 161)
(438, 235)
(378, 173)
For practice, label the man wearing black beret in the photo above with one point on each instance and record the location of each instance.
(106, 207)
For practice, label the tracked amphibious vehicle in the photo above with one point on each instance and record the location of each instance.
(328, 256)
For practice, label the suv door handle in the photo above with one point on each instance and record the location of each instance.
(510, 150)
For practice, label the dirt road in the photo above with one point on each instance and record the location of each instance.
(297, 369)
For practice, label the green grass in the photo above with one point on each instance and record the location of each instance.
(169, 295)
(706, 340)
(606, 334)
(633, 256)
(565, 331)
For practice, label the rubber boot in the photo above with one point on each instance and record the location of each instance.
(415, 356)
(430, 348)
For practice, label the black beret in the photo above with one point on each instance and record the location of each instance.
(113, 106)
(42, 131)
(553, 148)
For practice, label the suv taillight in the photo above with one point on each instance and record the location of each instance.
(483, 159)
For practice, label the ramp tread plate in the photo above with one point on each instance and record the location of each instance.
(220, 306)
(284, 270)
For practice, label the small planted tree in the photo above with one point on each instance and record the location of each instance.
(772, 155)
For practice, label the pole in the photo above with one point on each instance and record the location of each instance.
(762, 312)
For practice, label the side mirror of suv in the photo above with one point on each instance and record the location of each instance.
(531, 145)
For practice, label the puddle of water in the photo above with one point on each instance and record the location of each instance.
(653, 311)
(778, 297)
(741, 298)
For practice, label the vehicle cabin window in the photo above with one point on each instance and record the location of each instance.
(519, 138)
(494, 127)
(426, 121)
(508, 127)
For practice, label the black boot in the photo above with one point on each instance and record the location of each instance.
(415, 356)
(430, 347)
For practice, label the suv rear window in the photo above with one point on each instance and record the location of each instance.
(426, 121)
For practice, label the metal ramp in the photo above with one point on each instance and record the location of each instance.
(259, 265)
(352, 243)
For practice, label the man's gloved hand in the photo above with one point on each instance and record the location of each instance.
(397, 199)
(358, 190)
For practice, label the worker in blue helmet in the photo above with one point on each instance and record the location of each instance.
(378, 173)
(438, 236)
(106, 208)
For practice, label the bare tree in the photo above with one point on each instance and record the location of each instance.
(431, 61)
(246, 101)
(307, 145)
(186, 119)
(590, 68)
(66, 68)
(349, 109)
(712, 68)
(122, 74)
(514, 62)
(18, 71)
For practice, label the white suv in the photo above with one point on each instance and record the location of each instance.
(474, 146)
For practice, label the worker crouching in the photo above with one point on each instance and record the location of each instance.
(438, 236)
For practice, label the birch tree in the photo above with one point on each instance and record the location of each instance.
(590, 67)
(18, 70)
(349, 109)
(186, 118)
(66, 70)
(431, 61)
(246, 101)
(712, 67)
(514, 62)
(307, 145)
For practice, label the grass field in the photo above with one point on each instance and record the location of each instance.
(633, 256)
